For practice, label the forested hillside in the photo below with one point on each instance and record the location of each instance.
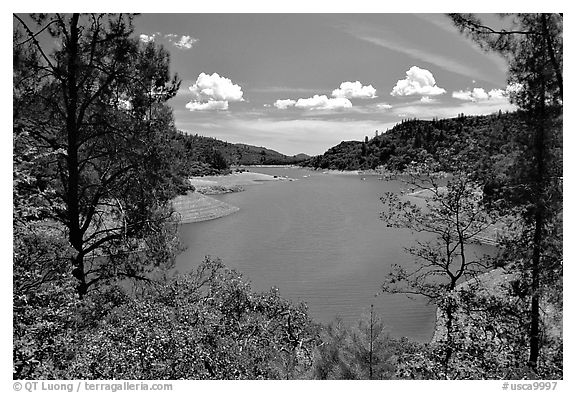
(216, 152)
(412, 139)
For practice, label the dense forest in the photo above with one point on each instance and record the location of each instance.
(412, 139)
(221, 154)
(97, 160)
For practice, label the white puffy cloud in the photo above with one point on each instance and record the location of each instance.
(212, 92)
(207, 106)
(497, 94)
(354, 90)
(283, 104)
(340, 98)
(185, 42)
(384, 106)
(323, 102)
(418, 81)
(215, 87)
(147, 38)
(478, 94)
(462, 95)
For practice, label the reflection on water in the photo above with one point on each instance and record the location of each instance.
(318, 239)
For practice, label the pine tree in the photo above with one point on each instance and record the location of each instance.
(533, 47)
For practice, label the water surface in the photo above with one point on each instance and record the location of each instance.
(318, 239)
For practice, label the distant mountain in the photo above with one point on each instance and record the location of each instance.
(302, 156)
(412, 139)
(211, 150)
(255, 155)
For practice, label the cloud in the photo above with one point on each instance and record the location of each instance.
(207, 106)
(211, 92)
(216, 87)
(384, 106)
(387, 38)
(498, 94)
(323, 102)
(418, 81)
(427, 100)
(283, 104)
(445, 23)
(283, 89)
(147, 38)
(185, 42)
(288, 136)
(340, 98)
(444, 111)
(478, 94)
(354, 90)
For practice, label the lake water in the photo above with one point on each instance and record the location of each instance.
(318, 239)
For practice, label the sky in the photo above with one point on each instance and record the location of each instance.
(301, 83)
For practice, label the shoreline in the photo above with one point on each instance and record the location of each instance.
(198, 206)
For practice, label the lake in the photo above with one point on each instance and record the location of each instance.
(320, 240)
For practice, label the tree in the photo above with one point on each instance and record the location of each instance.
(450, 220)
(533, 46)
(218, 161)
(207, 324)
(364, 351)
(89, 100)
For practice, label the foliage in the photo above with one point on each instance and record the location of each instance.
(451, 218)
(363, 352)
(90, 124)
(533, 46)
(96, 161)
(482, 137)
(200, 149)
(453, 214)
(489, 340)
(204, 325)
(43, 299)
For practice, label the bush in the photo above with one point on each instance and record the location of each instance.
(203, 325)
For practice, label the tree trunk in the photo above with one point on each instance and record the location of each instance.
(72, 192)
(539, 216)
(535, 307)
